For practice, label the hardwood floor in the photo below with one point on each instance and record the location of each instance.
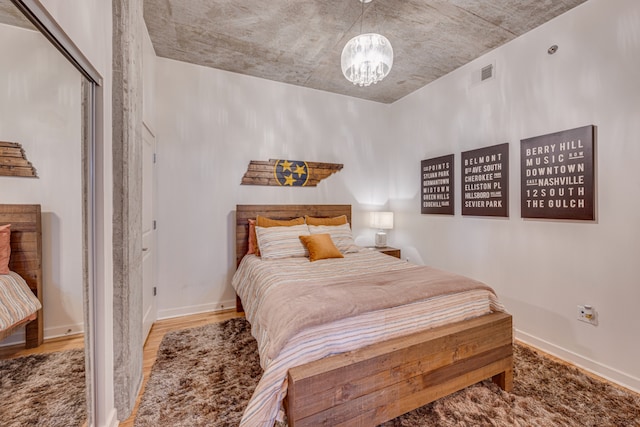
(158, 330)
(48, 346)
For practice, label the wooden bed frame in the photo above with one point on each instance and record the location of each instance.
(26, 259)
(377, 383)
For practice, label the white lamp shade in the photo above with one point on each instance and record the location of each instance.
(366, 59)
(382, 220)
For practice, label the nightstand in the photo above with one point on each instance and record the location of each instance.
(387, 250)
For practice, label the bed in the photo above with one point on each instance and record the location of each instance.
(411, 360)
(25, 265)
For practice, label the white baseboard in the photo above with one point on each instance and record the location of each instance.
(611, 374)
(60, 331)
(196, 309)
(55, 332)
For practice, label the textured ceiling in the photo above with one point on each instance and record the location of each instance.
(300, 41)
(10, 15)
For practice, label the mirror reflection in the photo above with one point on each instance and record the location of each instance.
(41, 113)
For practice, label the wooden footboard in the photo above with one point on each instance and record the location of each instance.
(375, 384)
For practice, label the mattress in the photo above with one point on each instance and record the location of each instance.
(256, 279)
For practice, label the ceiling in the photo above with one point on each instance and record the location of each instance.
(300, 41)
(10, 15)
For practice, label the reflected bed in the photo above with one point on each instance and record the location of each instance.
(26, 264)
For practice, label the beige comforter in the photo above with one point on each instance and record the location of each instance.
(267, 289)
(326, 300)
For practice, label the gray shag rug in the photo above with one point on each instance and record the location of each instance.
(43, 390)
(205, 376)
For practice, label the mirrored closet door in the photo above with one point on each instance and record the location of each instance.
(46, 108)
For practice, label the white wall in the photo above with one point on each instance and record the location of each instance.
(40, 108)
(541, 269)
(210, 125)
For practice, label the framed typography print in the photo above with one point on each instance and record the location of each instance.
(557, 175)
(437, 185)
(485, 181)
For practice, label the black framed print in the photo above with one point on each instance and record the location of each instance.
(485, 181)
(437, 185)
(557, 175)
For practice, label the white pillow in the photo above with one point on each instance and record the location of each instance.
(282, 242)
(340, 234)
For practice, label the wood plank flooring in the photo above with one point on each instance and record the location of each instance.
(48, 346)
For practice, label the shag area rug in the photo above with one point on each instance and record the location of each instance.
(43, 390)
(205, 376)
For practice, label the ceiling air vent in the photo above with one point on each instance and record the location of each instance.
(486, 72)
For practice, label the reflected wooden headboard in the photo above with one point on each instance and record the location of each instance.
(246, 212)
(26, 257)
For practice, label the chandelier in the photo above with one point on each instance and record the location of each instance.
(366, 58)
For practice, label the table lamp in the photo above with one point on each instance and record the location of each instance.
(382, 221)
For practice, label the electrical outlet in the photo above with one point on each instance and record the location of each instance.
(586, 313)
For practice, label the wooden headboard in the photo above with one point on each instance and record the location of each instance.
(246, 212)
(26, 256)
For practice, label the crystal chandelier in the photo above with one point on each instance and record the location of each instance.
(366, 58)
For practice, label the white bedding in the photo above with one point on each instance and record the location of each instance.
(254, 277)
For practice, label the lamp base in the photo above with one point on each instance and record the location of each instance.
(381, 239)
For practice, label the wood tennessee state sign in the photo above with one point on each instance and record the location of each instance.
(293, 173)
(13, 161)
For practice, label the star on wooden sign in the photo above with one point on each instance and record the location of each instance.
(292, 173)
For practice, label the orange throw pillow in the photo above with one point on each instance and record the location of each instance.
(320, 246)
(336, 220)
(5, 248)
(263, 221)
(253, 239)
